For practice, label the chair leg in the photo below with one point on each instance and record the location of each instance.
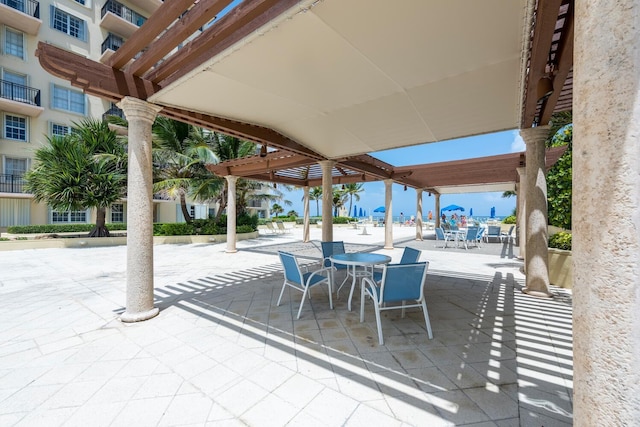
(426, 319)
(330, 296)
(284, 285)
(379, 323)
(304, 294)
(362, 294)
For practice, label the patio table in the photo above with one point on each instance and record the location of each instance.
(355, 260)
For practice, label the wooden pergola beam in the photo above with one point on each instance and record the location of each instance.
(201, 13)
(158, 22)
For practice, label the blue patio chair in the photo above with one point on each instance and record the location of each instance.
(493, 231)
(509, 236)
(333, 248)
(401, 285)
(409, 256)
(471, 236)
(443, 236)
(296, 279)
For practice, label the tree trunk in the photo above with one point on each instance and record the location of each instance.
(185, 211)
(100, 229)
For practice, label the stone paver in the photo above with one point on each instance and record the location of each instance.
(221, 353)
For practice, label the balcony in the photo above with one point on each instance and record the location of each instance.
(147, 5)
(23, 15)
(12, 184)
(19, 99)
(109, 46)
(118, 18)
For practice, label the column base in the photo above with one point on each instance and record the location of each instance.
(389, 248)
(231, 251)
(537, 294)
(140, 316)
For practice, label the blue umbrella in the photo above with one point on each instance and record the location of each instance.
(493, 212)
(381, 209)
(355, 211)
(360, 213)
(452, 208)
(471, 212)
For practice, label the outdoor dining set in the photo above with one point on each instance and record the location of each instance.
(471, 235)
(394, 286)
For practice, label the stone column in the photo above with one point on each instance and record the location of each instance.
(521, 206)
(537, 254)
(140, 115)
(327, 199)
(231, 213)
(388, 214)
(418, 213)
(437, 213)
(305, 231)
(606, 214)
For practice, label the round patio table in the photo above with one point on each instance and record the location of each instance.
(355, 260)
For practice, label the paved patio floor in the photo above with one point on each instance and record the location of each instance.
(221, 353)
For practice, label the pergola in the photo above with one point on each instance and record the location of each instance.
(325, 82)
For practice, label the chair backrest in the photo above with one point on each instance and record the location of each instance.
(439, 233)
(280, 225)
(511, 230)
(410, 255)
(493, 230)
(472, 233)
(292, 271)
(331, 248)
(480, 233)
(270, 225)
(402, 282)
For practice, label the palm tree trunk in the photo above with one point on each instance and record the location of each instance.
(100, 230)
(183, 206)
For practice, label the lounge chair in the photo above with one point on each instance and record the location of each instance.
(270, 227)
(282, 228)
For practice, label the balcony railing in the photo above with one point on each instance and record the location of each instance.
(123, 12)
(20, 93)
(112, 42)
(12, 183)
(113, 111)
(30, 7)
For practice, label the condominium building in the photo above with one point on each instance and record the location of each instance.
(35, 104)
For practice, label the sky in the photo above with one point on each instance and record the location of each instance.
(405, 201)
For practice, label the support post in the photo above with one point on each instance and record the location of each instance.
(231, 213)
(418, 213)
(306, 235)
(327, 199)
(388, 214)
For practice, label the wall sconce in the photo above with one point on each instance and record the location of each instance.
(545, 88)
(275, 185)
(429, 194)
(343, 187)
(405, 188)
(263, 151)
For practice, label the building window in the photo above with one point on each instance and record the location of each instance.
(15, 127)
(17, 167)
(67, 23)
(117, 212)
(69, 100)
(60, 130)
(68, 216)
(14, 43)
(82, 2)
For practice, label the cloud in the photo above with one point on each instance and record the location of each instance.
(518, 144)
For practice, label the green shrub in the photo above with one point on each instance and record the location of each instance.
(342, 220)
(246, 219)
(244, 229)
(561, 240)
(511, 219)
(61, 228)
(176, 229)
(4, 239)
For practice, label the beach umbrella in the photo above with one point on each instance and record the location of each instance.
(381, 209)
(360, 213)
(471, 212)
(451, 208)
(493, 212)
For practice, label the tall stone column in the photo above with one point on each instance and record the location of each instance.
(418, 213)
(327, 199)
(388, 214)
(537, 253)
(231, 213)
(521, 219)
(140, 115)
(606, 214)
(438, 221)
(305, 230)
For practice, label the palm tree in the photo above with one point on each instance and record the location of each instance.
(292, 213)
(353, 191)
(508, 194)
(82, 170)
(316, 194)
(339, 199)
(277, 209)
(179, 159)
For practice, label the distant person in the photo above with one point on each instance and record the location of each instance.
(430, 215)
(463, 221)
(401, 218)
(443, 218)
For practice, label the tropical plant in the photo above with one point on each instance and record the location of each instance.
(316, 194)
(561, 240)
(352, 191)
(511, 219)
(85, 169)
(277, 209)
(339, 199)
(559, 177)
(508, 194)
(292, 214)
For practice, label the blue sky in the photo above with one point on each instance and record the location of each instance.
(456, 149)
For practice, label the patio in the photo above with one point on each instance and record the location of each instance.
(222, 353)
